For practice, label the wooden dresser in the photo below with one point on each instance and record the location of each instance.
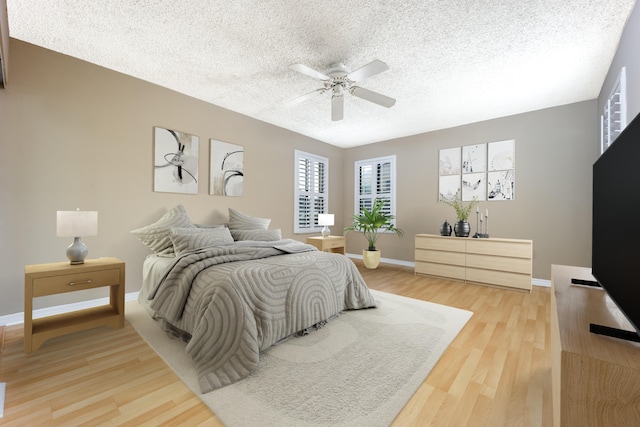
(498, 262)
(595, 379)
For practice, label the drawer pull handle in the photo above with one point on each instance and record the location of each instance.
(80, 283)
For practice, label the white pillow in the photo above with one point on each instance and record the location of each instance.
(157, 236)
(242, 221)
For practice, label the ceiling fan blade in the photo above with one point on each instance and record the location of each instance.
(337, 108)
(301, 68)
(371, 69)
(299, 99)
(375, 97)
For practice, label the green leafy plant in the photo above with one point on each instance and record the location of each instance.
(462, 211)
(374, 222)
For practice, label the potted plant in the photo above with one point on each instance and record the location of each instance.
(372, 224)
(462, 227)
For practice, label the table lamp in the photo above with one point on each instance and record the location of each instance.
(76, 224)
(326, 220)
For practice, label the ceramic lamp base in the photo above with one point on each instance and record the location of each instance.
(77, 251)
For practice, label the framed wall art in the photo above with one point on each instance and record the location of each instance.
(480, 171)
(501, 183)
(449, 162)
(226, 169)
(175, 168)
(474, 158)
(449, 174)
(474, 186)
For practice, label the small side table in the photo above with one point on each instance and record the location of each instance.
(62, 277)
(335, 244)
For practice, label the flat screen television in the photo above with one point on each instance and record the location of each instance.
(615, 259)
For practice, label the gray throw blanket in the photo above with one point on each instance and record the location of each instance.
(237, 300)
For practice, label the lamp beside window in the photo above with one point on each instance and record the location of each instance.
(77, 224)
(326, 220)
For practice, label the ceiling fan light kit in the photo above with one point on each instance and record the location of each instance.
(339, 80)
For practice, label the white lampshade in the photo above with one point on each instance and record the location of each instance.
(77, 223)
(325, 219)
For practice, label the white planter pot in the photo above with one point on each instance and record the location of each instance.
(371, 258)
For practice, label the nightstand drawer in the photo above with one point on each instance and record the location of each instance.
(75, 282)
(338, 243)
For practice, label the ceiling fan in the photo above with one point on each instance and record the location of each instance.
(339, 80)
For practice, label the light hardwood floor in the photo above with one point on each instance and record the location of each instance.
(495, 373)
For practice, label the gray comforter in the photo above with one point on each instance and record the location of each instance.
(235, 301)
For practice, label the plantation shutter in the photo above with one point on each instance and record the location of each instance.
(311, 191)
(375, 179)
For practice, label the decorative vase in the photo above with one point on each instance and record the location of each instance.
(445, 229)
(371, 259)
(462, 229)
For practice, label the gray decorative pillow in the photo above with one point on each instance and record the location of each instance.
(242, 221)
(157, 236)
(259, 235)
(189, 239)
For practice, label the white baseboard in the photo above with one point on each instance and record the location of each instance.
(3, 388)
(534, 281)
(14, 319)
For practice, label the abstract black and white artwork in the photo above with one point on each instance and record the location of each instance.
(474, 186)
(474, 158)
(227, 169)
(449, 161)
(175, 162)
(449, 188)
(501, 185)
(501, 155)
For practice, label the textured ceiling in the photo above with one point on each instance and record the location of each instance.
(450, 62)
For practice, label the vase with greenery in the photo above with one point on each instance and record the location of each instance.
(372, 223)
(462, 227)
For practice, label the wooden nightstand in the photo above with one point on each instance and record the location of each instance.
(334, 244)
(62, 277)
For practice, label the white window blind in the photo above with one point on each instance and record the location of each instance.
(311, 191)
(375, 179)
(614, 118)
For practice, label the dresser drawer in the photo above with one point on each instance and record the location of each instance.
(500, 248)
(452, 244)
(489, 262)
(75, 282)
(440, 257)
(441, 270)
(500, 278)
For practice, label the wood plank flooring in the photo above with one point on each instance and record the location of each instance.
(496, 372)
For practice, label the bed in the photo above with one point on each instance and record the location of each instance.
(232, 298)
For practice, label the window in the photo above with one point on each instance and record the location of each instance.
(311, 191)
(375, 179)
(614, 119)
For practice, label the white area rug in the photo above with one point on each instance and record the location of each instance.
(359, 370)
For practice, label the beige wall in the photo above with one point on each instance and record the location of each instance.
(555, 149)
(77, 135)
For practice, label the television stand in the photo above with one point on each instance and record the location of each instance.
(595, 380)
(613, 332)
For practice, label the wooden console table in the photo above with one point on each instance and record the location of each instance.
(595, 379)
(499, 262)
